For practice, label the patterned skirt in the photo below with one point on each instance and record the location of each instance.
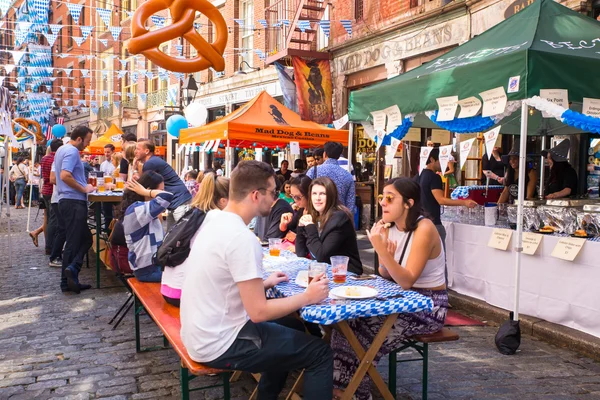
(345, 361)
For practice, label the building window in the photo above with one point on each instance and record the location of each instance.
(414, 3)
(155, 84)
(59, 38)
(82, 89)
(69, 31)
(247, 32)
(129, 85)
(322, 39)
(359, 6)
(129, 5)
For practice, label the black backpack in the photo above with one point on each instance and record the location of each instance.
(175, 247)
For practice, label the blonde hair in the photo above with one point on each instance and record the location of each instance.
(116, 159)
(200, 177)
(130, 153)
(212, 189)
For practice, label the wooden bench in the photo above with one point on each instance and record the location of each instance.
(147, 297)
(421, 344)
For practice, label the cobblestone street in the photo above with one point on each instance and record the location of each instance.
(54, 345)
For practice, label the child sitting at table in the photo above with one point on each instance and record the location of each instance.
(327, 228)
(143, 202)
(213, 194)
(411, 254)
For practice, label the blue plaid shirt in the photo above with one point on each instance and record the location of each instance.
(342, 179)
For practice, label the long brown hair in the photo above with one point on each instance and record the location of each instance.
(332, 203)
(212, 189)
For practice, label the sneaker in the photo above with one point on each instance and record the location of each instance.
(72, 281)
(55, 263)
(81, 287)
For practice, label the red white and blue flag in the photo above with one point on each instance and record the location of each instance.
(59, 120)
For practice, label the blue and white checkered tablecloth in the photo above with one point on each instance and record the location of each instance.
(331, 311)
(462, 192)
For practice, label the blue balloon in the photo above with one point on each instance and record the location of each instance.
(59, 131)
(175, 124)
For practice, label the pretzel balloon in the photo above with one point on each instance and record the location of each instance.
(30, 124)
(183, 13)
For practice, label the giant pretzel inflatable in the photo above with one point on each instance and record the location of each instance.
(183, 13)
(30, 124)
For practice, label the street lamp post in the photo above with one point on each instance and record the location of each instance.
(190, 88)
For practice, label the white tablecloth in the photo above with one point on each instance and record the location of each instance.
(566, 293)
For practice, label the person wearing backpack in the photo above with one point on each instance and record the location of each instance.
(213, 194)
(144, 201)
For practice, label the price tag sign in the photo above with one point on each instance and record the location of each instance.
(531, 242)
(500, 239)
(295, 148)
(567, 248)
(494, 101)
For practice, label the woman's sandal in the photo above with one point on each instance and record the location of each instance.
(34, 238)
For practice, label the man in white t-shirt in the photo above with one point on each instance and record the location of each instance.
(224, 311)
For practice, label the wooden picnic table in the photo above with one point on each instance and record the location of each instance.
(336, 313)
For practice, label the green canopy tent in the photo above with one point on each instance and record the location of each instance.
(545, 46)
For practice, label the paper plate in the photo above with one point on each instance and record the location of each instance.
(354, 292)
(302, 279)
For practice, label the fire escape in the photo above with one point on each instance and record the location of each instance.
(286, 37)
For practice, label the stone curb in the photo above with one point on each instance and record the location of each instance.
(559, 335)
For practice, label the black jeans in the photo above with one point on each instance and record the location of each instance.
(51, 222)
(273, 349)
(59, 234)
(78, 238)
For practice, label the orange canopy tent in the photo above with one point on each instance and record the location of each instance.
(113, 135)
(264, 121)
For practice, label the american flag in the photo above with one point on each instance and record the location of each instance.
(59, 120)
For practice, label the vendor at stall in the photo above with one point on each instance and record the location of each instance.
(511, 179)
(493, 167)
(563, 178)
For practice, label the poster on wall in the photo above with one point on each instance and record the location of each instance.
(314, 90)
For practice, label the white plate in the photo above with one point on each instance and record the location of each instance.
(354, 292)
(302, 279)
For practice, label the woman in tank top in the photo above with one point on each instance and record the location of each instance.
(411, 254)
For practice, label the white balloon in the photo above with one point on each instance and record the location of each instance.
(196, 114)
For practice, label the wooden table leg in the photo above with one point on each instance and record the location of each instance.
(98, 207)
(366, 358)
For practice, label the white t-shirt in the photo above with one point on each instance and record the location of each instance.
(107, 167)
(224, 252)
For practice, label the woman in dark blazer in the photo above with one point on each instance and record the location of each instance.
(327, 229)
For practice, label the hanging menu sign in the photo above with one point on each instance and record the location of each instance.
(531, 242)
(556, 96)
(591, 107)
(494, 101)
(469, 107)
(394, 118)
(378, 120)
(447, 108)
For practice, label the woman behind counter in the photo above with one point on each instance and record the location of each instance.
(511, 179)
(563, 178)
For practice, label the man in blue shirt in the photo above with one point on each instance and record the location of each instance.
(342, 178)
(72, 188)
(144, 152)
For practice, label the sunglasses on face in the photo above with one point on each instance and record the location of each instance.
(297, 198)
(274, 193)
(388, 198)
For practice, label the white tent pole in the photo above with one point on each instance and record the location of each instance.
(521, 198)
(350, 145)
(8, 152)
(228, 160)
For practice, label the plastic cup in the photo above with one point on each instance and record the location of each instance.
(107, 179)
(339, 268)
(120, 183)
(315, 269)
(275, 247)
(101, 188)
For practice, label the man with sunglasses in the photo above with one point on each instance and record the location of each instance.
(268, 227)
(226, 320)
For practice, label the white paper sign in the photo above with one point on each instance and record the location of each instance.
(500, 239)
(568, 248)
(378, 120)
(394, 118)
(465, 149)
(423, 157)
(369, 131)
(490, 138)
(556, 96)
(591, 107)
(339, 124)
(258, 153)
(390, 152)
(295, 148)
(447, 108)
(531, 242)
(469, 107)
(445, 156)
(494, 101)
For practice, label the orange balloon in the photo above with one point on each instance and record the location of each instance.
(183, 13)
(30, 124)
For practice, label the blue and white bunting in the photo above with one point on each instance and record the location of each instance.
(264, 23)
(104, 42)
(240, 22)
(115, 31)
(129, 95)
(75, 11)
(143, 97)
(325, 26)
(303, 25)
(81, 102)
(70, 109)
(105, 104)
(261, 55)
(78, 40)
(55, 28)
(117, 104)
(67, 71)
(85, 31)
(93, 103)
(77, 90)
(95, 110)
(84, 73)
(123, 63)
(105, 15)
(347, 24)
(121, 74)
(158, 21)
(51, 38)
